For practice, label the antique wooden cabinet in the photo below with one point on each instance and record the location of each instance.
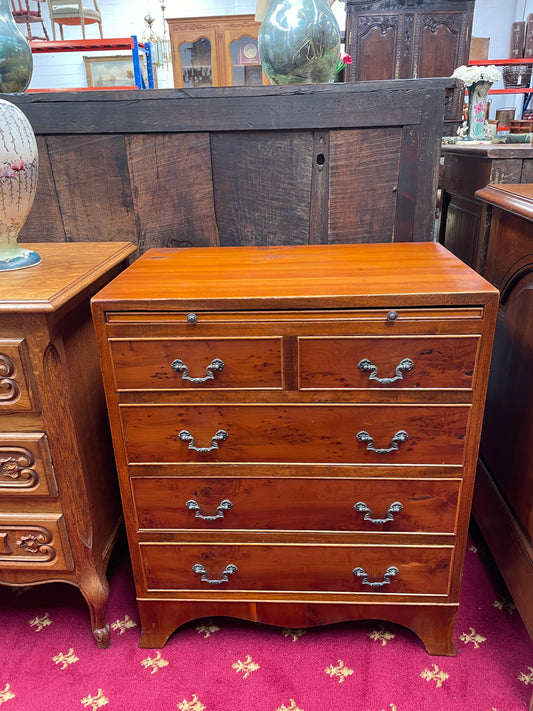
(59, 503)
(296, 431)
(399, 39)
(464, 223)
(239, 165)
(215, 51)
(503, 501)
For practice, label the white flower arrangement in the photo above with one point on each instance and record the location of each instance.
(471, 75)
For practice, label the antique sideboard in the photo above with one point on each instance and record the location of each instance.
(296, 431)
(464, 223)
(306, 164)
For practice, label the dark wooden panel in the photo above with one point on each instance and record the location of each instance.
(172, 190)
(377, 37)
(92, 181)
(262, 187)
(364, 166)
(301, 106)
(44, 223)
(462, 228)
(438, 44)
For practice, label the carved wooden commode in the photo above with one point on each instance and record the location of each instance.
(59, 503)
(296, 431)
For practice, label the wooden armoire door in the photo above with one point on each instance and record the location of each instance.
(403, 39)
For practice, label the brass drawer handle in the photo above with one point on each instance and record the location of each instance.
(395, 507)
(224, 505)
(366, 366)
(228, 570)
(219, 436)
(399, 437)
(389, 573)
(179, 366)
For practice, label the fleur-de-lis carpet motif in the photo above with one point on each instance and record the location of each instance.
(341, 671)
(49, 660)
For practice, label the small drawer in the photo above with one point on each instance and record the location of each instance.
(203, 363)
(341, 434)
(25, 465)
(282, 567)
(387, 362)
(296, 504)
(34, 541)
(16, 394)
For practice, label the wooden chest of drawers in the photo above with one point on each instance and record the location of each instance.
(296, 431)
(59, 501)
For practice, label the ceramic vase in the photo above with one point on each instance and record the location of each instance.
(18, 181)
(16, 61)
(299, 42)
(478, 94)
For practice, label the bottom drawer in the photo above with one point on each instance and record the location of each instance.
(34, 541)
(276, 567)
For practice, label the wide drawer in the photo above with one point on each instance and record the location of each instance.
(277, 503)
(185, 363)
(282, 567)
(362, 434)
(34, 541)
(387, 362)
(25, 465)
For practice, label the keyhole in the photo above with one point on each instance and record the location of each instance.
(320, 159)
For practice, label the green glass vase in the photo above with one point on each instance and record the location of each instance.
(16, 61)
(299, 42)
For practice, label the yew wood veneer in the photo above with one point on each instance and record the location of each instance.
(59, 502)
(296, 431)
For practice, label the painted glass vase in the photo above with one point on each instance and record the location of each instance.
(16, 61)
(478, 94)
(19, 165)
(299, 42)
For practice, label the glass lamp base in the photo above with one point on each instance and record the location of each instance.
(19, 259)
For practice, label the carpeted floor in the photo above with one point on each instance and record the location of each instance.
(49, 662)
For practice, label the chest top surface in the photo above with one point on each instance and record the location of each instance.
(66, 270)
(336, 276)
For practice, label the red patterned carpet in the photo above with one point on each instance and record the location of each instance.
(49, 662)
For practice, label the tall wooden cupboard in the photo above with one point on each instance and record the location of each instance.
(215, 51)
(403, 39)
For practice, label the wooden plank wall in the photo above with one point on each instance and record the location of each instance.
(238, 166)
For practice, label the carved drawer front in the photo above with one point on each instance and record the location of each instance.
(15, 372)
(403, 505)
(362, 434)
(373, 570)
(25, 465)
(387, 362)
(34, 541)
(179, 363)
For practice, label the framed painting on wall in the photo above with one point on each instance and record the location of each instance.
(115, 71)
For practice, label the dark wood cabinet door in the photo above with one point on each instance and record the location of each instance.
(405, 39)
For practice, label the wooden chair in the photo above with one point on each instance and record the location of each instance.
(73, 12)
(24, 15)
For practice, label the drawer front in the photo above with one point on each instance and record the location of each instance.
(183, 364)
(34, 541)
(16, 394)
(362, 434)
(402, 505)
(282, 567)
(387, 362)
(25, 465)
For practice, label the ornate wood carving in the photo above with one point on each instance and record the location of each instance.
(16, 469)
(383, 23)
(9, 388)
(26, 544)
(433, 23)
